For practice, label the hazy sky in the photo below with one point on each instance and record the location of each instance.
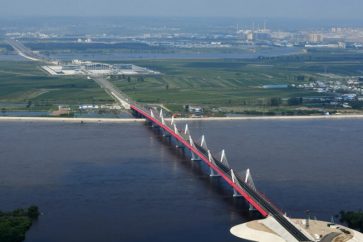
(332, 9)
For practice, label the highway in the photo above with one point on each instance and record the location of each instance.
(113, 91)
(26, 52)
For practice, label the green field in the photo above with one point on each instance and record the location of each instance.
(227, 85)
(235, 85)
(215, 82)
(24, 82)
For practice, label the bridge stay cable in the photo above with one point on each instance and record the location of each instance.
(242, 185)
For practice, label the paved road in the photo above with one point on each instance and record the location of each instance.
(26, 52)
(112, 90)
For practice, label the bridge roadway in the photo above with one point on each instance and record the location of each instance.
(256, 199)
(26, 52)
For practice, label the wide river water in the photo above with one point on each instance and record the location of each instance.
(119, 182)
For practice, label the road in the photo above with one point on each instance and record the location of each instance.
(113, 91)
(26, 52)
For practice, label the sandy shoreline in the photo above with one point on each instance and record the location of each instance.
(130, 120)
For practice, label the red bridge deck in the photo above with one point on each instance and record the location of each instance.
(227, 178)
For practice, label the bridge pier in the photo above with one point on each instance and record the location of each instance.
(194, 157)
(165, 134)
(251, 208)
(236, 194)
(213, 173)
(179, 145)
(148, 123)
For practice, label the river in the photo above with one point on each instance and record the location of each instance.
(119, 182)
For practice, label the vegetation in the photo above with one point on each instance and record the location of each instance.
(354, 220)
(211, 82)
(13, 225)
(236, 85)
(24, 86)
(223, 85)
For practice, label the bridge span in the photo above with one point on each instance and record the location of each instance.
(26, 52)
(242, 186)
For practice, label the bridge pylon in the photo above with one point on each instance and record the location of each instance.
(234, 180)
(194, 157)
(224, 158)
(162, 117)
(186, 130)
(249, 180)
(176, 131)
(152, 124)
(203, 143)
(250, 183)
(178, 144)
(211, 160)
(172, 120)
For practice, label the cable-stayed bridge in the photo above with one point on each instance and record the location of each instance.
(219, 167)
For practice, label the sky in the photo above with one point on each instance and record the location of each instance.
(302, 9)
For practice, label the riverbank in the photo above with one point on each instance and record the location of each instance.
(350, 116)
(71, 120)
(128, 120)
(268, 230)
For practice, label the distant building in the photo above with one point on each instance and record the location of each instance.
(315, 38)
(336, 30)
(281, 35)
(256, 35)
(197, 110)
(249, 36)
(261, 35)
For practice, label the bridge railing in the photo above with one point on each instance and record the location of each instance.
(223, 168)
(255, 198)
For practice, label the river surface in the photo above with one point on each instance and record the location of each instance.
(119, 182)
